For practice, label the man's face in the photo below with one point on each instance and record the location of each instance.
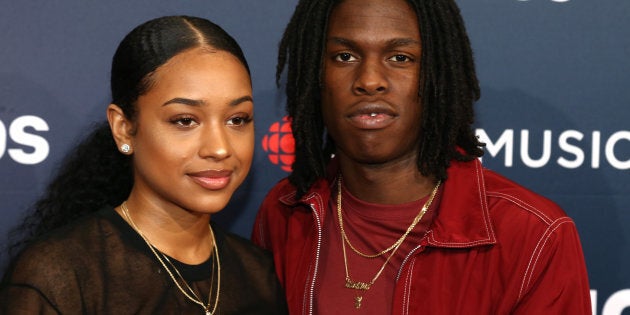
(371, 70)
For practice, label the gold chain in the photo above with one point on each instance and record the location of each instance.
(162, 257)
(417, 219)
(364, 286)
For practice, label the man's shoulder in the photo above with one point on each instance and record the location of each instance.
(507, 197)
(283, 188)
(285, 192)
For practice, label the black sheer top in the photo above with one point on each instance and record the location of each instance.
(99, 265)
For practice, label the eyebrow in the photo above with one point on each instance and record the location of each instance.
(191, 102)
(185, 101)
(241, 99)
(395, 42)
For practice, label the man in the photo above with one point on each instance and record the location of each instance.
(388, 209)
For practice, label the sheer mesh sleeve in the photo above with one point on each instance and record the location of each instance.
(101, 266)
(37, 277)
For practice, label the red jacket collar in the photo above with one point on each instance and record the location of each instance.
(463, 217)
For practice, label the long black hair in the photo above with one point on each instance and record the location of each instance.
(448, 88)
(95, 174)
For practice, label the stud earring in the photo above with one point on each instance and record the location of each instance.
(125, 148)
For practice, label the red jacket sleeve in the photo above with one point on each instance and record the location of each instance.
(556, 281)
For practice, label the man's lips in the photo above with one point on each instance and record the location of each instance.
(372, 116)
(212, 179)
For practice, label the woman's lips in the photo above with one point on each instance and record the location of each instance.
(212, 179)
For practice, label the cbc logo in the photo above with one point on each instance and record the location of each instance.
(279, 144)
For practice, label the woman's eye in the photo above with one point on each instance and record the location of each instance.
(345, 57)
(184, 121)
(238, 121)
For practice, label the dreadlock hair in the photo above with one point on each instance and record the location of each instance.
(448, 88)
(95, 174)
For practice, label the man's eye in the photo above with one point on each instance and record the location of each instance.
(400, 58)
(345, 57)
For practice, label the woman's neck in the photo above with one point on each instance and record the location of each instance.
(174, 231)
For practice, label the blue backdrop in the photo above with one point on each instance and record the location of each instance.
(555, 77)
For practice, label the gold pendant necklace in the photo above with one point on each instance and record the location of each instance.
(162, 257)
(364, 286)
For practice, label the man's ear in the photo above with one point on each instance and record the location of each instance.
(121, 128)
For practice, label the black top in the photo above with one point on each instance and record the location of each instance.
(100, 265)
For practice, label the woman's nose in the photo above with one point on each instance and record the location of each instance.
(214, 143)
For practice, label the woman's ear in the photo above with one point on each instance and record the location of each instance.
(121, 128)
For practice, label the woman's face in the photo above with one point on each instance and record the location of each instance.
(194, 132)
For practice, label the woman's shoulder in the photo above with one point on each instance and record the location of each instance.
(250, 272)
(61, 248)
(81, 231)
(241, 246)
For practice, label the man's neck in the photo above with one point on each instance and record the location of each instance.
(390, 183)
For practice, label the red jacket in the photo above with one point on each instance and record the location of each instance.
(494, 247)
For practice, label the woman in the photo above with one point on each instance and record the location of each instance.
(179, 142)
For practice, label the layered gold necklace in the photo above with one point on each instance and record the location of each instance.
(364, 286)
(161, 257)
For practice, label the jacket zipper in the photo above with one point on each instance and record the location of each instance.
(317, 252)
(411, 253)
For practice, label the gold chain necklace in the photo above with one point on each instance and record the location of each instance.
(364, 286)
(161, 257)
(399, 241)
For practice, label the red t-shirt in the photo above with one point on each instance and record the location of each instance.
(370, 228)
